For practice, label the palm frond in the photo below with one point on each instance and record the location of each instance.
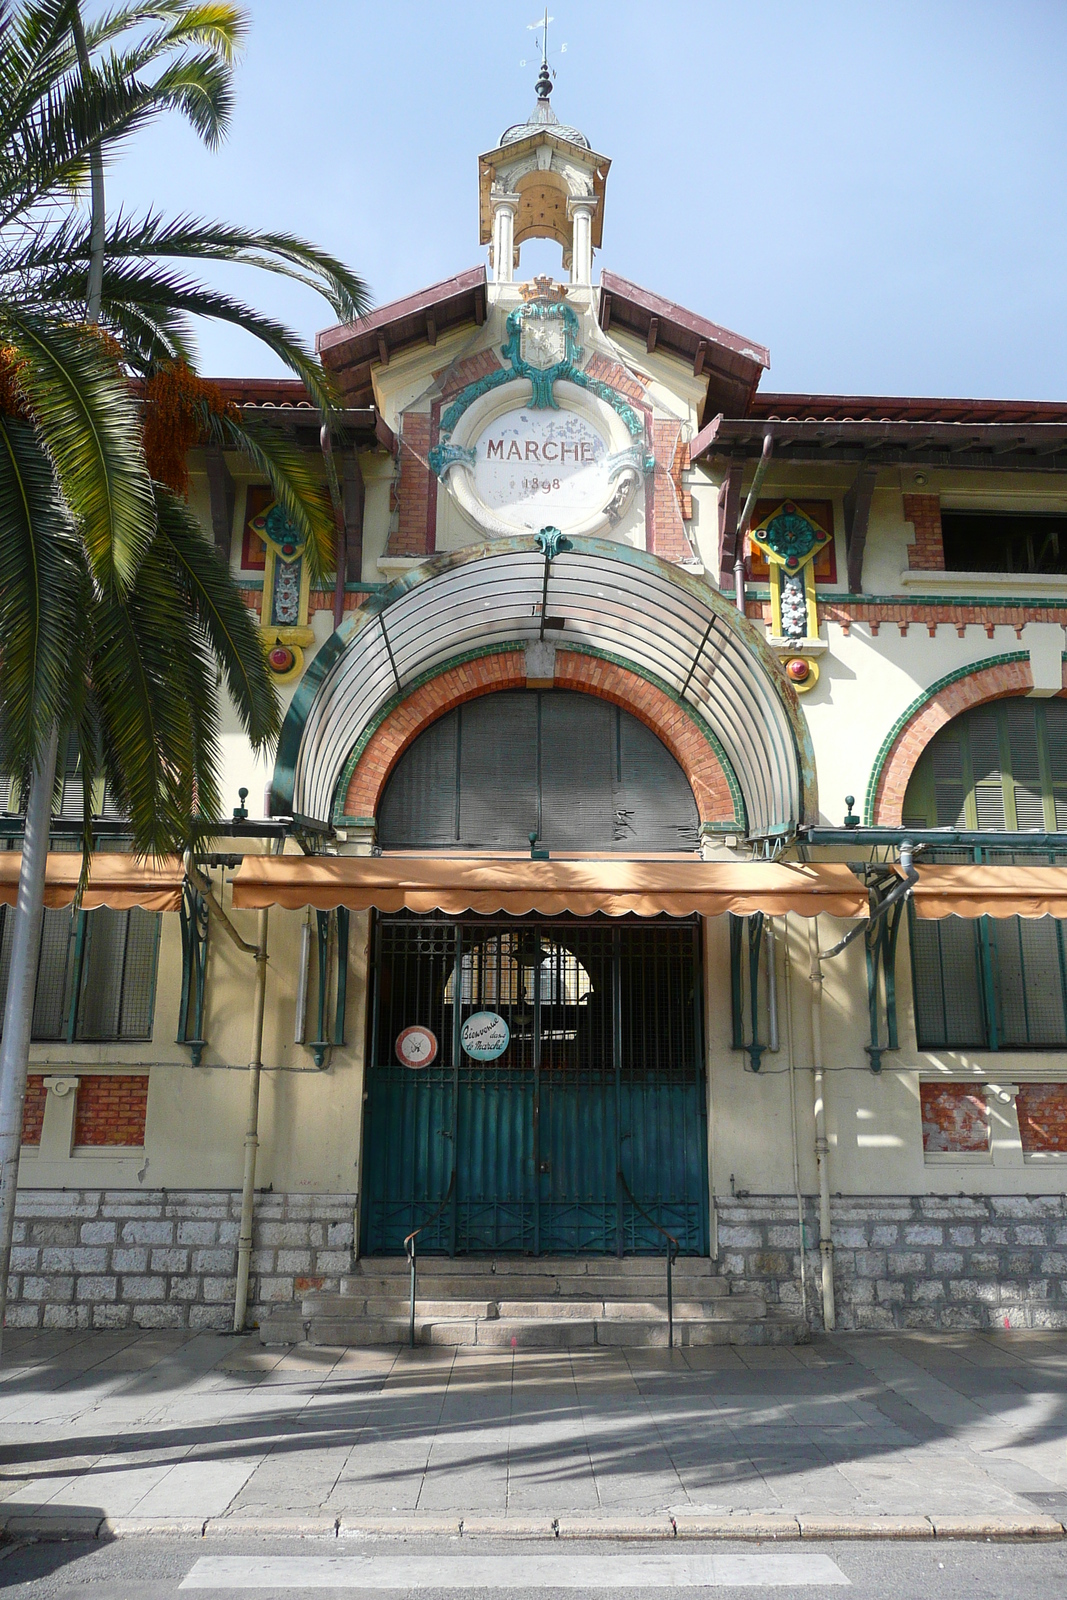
(215, 604)
(87, 420)
(41, 597)
(299, 490)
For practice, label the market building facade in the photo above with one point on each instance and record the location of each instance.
(639, 689)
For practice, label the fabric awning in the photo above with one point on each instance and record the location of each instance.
(115, 880)
(980, 891)
(455, 885)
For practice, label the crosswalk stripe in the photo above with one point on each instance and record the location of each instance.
(563, 1568)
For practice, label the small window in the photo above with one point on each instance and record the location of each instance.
(1004, 541)
(1042, 1109)
(955, 1120)
(96, 973)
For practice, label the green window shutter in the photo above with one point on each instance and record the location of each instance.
(982, 747)
(118, 975)
(946, 982)
(1028, 981)
(947, 780)
(1055, 720)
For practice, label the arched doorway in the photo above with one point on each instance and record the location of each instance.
(553, 1100)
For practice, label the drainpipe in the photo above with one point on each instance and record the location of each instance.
(791, 1049)
(248, 1185)
(746, 517)
(822, 1148)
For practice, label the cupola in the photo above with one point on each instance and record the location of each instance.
(543, 181)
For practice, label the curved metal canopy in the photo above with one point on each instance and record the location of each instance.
(663, 624)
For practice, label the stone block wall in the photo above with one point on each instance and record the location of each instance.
(119, 1258)
(913, 1261)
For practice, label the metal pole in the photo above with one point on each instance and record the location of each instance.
(822, 1148)
(746, 517)
(670, 1296)
(790, 1046)
(411, 1323)
(21, 988)
(248, 1186)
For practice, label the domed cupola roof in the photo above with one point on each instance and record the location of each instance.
(543, 118)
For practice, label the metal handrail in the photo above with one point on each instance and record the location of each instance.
(673, 1248)
(410, 1251)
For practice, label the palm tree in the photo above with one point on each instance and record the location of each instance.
(115, 613)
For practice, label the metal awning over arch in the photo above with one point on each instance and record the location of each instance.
(665, 625)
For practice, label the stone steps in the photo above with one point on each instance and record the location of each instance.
(522, 1303)
(556, 1333)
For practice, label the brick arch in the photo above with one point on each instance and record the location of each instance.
(714, 787)
(908, 738)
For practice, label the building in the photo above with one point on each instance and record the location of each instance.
(634, 680)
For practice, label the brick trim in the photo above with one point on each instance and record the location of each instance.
(904, 614)
(974, 685)
(927, 554)
(713, 786)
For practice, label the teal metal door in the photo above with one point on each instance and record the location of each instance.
(596, 1103)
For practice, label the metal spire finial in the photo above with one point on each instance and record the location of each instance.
(544, 77)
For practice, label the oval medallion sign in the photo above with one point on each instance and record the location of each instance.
(416, 1047)
(484, 1036)
(537, 467)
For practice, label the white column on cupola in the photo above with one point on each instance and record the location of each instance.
(580, 210)
(505, 205)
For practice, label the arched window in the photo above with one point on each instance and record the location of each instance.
(1003, 765)
(577, 771)
(992, 983)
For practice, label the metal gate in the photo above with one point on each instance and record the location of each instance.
(598, 1096)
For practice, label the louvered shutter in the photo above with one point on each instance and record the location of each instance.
(653, 801)
(419, 804)
(947, 983)
(983, 734)
(578, 749)
(498, 771)
(946, 757)
(1020, 722)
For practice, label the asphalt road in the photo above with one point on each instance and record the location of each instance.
(171, 1569)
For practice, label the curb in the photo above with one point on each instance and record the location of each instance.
(44, 1523)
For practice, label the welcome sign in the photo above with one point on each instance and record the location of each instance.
(538, 467)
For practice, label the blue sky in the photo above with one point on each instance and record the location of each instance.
(874, 190)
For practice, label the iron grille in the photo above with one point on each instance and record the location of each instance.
(602, 1074)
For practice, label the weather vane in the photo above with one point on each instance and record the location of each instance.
(540, 31)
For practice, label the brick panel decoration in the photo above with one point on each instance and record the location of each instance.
(588, 675)
(111, 1110)
(923, 511)
(33, 1109)
(469, 370)
(669, 539)
(955, 1119)
(957, 694)
(1042, 1109)
(604, 370)
(413, 534)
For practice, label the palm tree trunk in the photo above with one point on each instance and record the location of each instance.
(29, 910)
(21, 987)
(96, 186)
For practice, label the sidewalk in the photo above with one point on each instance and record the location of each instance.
(907, 1435)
